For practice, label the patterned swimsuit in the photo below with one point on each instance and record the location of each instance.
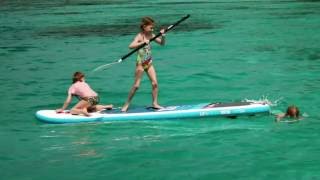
(94, 100)
(144, 56)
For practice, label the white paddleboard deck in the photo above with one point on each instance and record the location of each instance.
(168, 112)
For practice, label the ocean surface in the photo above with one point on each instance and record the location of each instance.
(226, 51)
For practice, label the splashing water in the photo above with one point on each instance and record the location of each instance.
(266, 100)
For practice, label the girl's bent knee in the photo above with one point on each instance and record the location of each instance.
(135, 87)
(154, 85)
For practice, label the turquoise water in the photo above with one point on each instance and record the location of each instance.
(226, 51)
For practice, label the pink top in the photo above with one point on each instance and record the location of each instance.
(81, 89)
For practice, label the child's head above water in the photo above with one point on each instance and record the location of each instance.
(292, 112)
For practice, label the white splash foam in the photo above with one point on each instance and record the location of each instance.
(266, 100)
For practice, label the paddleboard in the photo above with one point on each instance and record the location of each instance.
(169, 112)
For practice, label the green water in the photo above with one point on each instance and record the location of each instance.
(226, 51)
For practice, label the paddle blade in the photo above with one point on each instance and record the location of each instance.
(106, 66)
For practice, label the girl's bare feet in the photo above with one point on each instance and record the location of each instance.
(108, 107)
(157, 106)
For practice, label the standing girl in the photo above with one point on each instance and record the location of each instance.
(88, 99)
(144, 60)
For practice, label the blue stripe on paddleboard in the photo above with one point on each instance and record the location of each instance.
(176, 112)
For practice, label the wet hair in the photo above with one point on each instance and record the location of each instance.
(91, 109)
(145, 21)
(77, 76)
(293, 112)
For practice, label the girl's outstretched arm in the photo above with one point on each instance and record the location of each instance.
(65, 104)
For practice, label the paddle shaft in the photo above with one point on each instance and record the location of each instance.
(155, 37)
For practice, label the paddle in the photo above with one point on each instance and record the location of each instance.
(141, 46)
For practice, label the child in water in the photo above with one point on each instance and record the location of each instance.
(144, 60)
(88, 99)
(292, 112)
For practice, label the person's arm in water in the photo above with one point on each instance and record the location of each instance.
(65, 104)
(280, 116)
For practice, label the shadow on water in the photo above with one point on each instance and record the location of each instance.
(297, 14)
(308, 1)
(125, 25)
(58, 3)
(312, 54)
(16, 48)
(96, 2)
(54, 3)
(90, 30)
(218, 2)
(115, 29)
